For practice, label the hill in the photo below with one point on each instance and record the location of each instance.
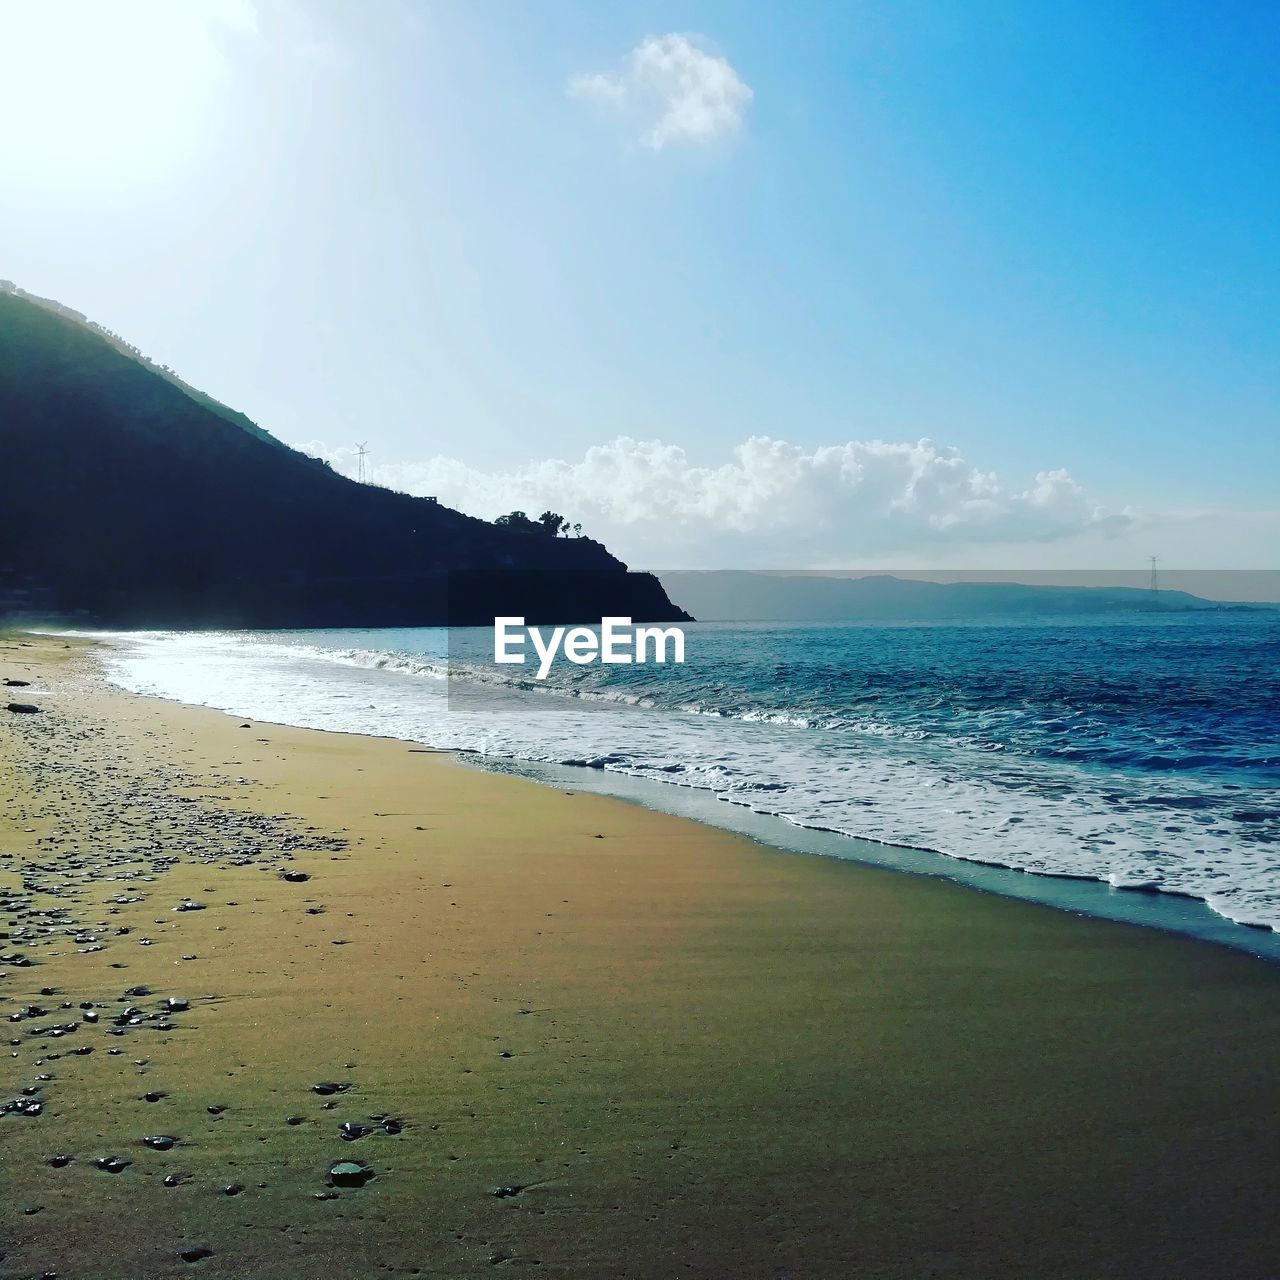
(736, 596)
(128, 349)
(132, 499)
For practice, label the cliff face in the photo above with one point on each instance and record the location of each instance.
(134, 500)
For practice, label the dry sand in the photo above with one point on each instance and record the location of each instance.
(697, 1056)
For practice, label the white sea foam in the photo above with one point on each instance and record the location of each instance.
(864, 777)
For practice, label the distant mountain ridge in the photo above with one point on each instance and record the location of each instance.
(744, 596)
(133, 499)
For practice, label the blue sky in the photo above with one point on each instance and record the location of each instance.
(1041, 237)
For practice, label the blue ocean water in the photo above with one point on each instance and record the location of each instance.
(1140, 751)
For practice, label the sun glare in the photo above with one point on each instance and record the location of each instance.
(95, 92)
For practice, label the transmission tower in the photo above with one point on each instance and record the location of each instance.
(362, 453)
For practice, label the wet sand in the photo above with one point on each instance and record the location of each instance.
(613, 1043)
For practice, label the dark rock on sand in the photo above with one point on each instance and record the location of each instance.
(350, 1173)
(23, 708)
(328, 1087)
(22, 1107)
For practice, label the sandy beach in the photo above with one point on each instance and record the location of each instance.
(572, 1037)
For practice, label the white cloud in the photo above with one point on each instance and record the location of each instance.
(672, 91)
(769, 504)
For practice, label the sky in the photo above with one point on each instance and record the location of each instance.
(902, 283)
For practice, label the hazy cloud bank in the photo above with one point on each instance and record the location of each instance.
(769, 503)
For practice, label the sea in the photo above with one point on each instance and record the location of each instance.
(1125, 766)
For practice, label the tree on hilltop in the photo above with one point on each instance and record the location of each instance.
(549, 522)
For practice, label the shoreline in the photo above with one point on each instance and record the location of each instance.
(619, 1043)
(1168, 910)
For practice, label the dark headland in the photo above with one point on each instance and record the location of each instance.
(132, 499)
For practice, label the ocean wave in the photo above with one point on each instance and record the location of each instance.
(1006, 787)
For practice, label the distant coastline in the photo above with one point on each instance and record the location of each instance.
(816, 596)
